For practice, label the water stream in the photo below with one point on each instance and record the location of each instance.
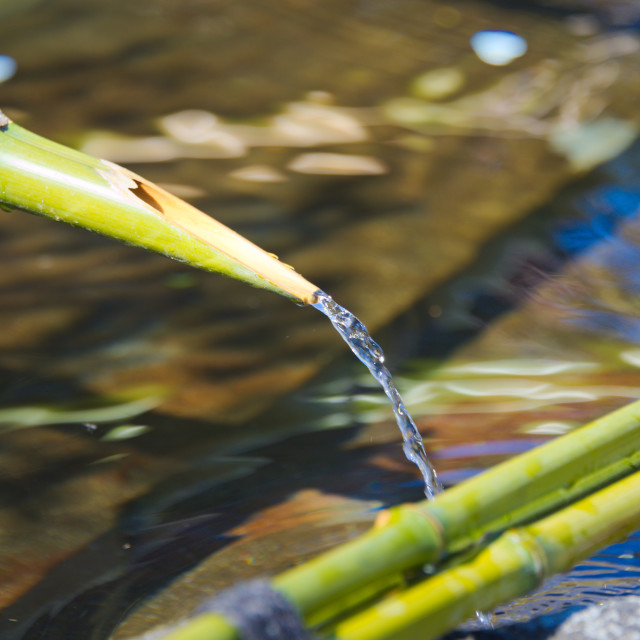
(368, 351)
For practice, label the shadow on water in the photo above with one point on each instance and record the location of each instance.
(509, 268)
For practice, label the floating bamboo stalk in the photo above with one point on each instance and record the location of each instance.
(461, 519)
(52, 180)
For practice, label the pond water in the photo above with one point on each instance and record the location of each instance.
(165, 432)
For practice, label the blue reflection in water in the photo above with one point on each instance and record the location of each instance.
(603, 210)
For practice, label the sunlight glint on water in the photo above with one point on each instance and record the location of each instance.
(485, 619)
(370, 354)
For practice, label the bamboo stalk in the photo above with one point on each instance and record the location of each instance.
(43, 177)
(518, 490)
(519, 561)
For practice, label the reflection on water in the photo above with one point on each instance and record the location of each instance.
(201, 134)
(146, 460)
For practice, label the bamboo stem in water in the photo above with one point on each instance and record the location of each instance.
(518, 490)
(518, 562)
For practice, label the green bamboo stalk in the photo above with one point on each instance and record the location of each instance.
(49, 179)
(518, 562)
(517, 491)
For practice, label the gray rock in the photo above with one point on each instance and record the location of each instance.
(619, 618)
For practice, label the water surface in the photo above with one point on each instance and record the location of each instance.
(166, 433)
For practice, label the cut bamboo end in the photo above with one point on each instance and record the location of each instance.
(210, 232)
(54, 181)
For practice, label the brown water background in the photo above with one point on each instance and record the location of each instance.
(165, 432)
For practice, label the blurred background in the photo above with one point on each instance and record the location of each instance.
(462, 176)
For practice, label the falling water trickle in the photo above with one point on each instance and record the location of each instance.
(355, 334)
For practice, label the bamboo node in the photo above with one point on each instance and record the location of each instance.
(532, 546)
(435, 525)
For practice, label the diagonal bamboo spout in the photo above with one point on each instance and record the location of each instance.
(57, 182)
